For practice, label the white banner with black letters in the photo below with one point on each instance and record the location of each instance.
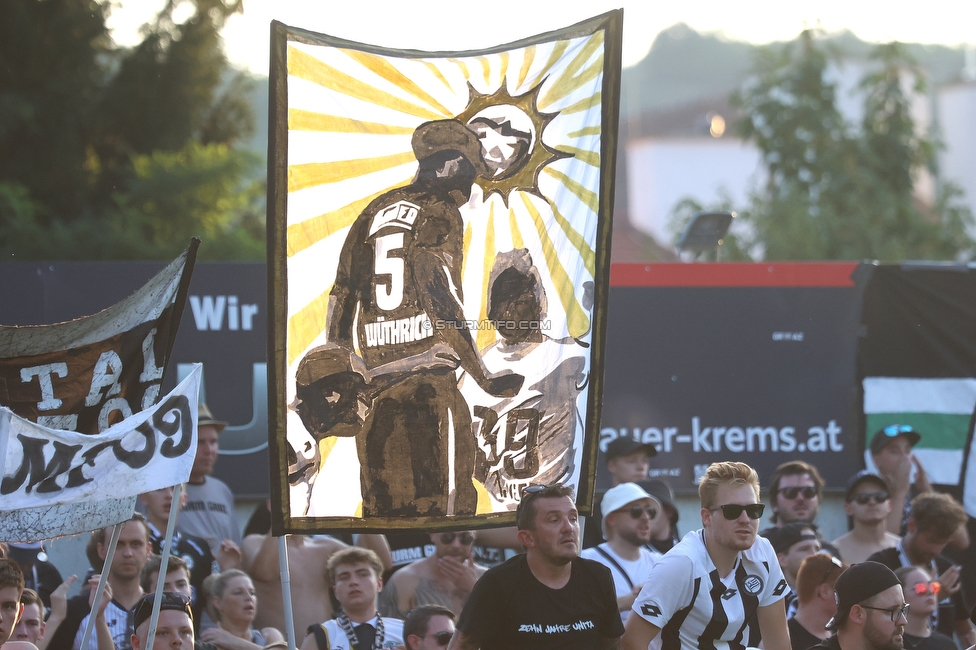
(149, 450)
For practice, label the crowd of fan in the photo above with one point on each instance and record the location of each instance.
(223, 590)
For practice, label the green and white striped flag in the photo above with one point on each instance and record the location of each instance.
(939, 409)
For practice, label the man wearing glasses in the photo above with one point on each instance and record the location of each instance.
(428, 627)
(628, 516)
(548, 597)
(867, 503)
(704, 591)
(871, 610)
(444, 578)
(794, 495)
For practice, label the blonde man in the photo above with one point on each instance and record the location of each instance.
(704, 591)
(355, 574)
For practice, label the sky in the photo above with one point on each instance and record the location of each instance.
(434, 25)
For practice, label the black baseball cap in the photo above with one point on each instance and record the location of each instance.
(170, 600)
(625, 446)
(884, 435)
(861, 477)
(858, 583)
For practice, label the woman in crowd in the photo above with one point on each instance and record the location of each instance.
(234, 605)
(922, 596)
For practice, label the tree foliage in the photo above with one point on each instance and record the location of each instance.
(123, 153)
(836, 190)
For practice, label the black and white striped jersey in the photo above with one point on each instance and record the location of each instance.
(696, 608)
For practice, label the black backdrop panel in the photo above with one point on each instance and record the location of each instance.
(719, 364)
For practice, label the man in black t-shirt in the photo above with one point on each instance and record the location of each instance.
(547, 598)
(933, 519)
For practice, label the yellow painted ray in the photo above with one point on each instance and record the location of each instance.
(305, 66)
(388, 71)
(485, 68)
(575, 238)
(527, 58)
(504, 71)
(300, 120)
(577, 321)
(465, 248)
(586, 196)
(325, 448)
(517, 241)
(437, 72)
(584, 104)
(308, 175)
(557, 53)
(565, 79)
(486, 335)
(589, 157)
(306, 233)
(593, 129)
(464, 67)
(569, 85)
(306, 324)
(484, 499)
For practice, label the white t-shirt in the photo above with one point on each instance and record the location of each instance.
(392, 633)
(626, 573)
(695, 607)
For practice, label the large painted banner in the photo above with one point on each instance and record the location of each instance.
(439, 246)
(87, 375)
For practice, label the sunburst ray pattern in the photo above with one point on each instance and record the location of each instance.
(538, 112)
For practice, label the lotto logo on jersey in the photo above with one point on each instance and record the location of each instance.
(651, 610)
(780, 588)
(401, 214)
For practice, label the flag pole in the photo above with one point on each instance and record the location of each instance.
(102, 579)
(285, 591)
(164, 563)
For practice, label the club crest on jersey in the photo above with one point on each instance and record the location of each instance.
(752, 585)
(401, 214)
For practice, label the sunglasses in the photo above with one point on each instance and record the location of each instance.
(467, 539)
(893, 430)
(876, 497)
(442, 638)
(922, 588)
(791, 493)
(529, 492)
(636, 512)
(733, 511)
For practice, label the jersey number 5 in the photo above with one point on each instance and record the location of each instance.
(389, 295)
